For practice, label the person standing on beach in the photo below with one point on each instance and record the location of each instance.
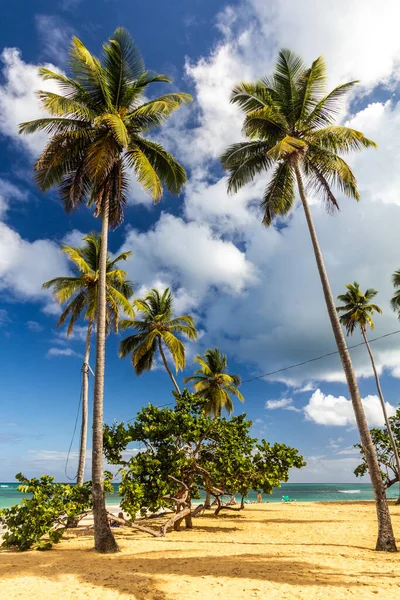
(259, 498)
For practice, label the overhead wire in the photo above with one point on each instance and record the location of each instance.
(74, 431)
(310, 360)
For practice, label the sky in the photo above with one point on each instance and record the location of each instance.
(254, 292)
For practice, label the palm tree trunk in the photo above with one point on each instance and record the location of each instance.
(103, 538)
(85, 404)
(381, 398)
(167, 367)
(386, 540)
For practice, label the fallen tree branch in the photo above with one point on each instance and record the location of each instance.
(199, 509)
(174, 521)
(112, 517)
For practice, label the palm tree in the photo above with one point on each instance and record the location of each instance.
(81, 294)
(395, 301)
(97, 134)
(213, 383)
(358, 311)
(157, 327)
(289, 128)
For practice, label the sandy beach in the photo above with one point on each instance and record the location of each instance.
(274, 551)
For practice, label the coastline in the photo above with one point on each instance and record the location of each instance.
(299, 551)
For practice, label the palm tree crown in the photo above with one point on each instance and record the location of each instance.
(96, 126)
(157, 327)
(288, 123)
(395, 301)
(83, 288)
(357, 308)
(213, 383)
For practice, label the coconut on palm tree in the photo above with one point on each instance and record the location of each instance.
(358, 311)
(213, 383)
(97, 126)
(157, 331)
(80, 293)
(290, 131)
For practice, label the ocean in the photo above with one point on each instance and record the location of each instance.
(301, 492)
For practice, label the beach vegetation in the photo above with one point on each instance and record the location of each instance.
(41, 520)
(384, 450)
(180, 451)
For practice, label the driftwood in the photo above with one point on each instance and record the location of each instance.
(112, 517)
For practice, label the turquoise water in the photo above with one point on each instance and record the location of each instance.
(301, 492)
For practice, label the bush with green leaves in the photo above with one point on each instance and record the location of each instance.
(40, 521)
(181, 448)
(384, 452)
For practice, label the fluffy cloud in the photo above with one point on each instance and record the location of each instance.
(18, 101)
(25, 265)
(329, 410)
(188, 255)
(313, 28)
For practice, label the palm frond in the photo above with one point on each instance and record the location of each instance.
(311, 85)
(327, 109)
(244, 161)
(279, 195)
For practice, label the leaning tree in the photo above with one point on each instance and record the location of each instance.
(290, 131)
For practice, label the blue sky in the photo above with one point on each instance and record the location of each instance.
(254, 293)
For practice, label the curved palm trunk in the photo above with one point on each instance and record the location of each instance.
(85, 404)
(381, 398)
(103, 538)
(167, 367)
(386, 540)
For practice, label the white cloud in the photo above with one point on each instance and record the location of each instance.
(24, 265)
(18, 101)
(349, 450)
(9, 192)
(339, 31)
(338, 411)
(189, 255)
(321, 469)
(34, 326)
(4, 318)
(274, 404)
(62, 352)
(55, 37)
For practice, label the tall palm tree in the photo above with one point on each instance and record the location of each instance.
(213, 383)
(80, 292)
(358, 311)
(97, 134)
(289, 129)
(157, 327)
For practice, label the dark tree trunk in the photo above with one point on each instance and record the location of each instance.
(167, 367)
(386, 540)
(85, 405)
(104, 540)
(382, 400)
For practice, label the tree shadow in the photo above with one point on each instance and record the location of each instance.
(142, 575)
